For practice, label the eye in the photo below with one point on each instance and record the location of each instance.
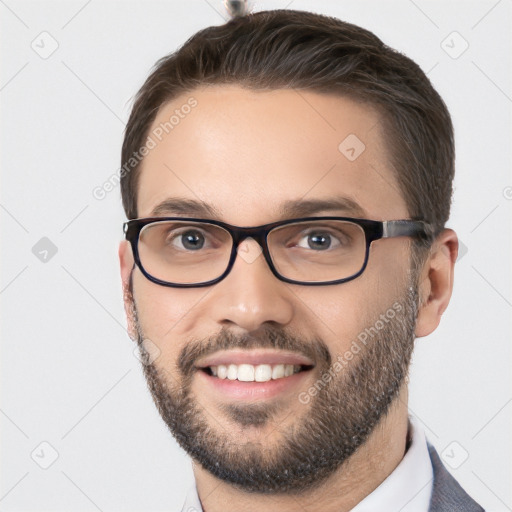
(318, 240)
(189, 240)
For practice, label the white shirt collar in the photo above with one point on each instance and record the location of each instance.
(406, 489)
(409, 486)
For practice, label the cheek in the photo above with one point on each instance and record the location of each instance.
(338, 314)
(166, 314)
(388, 268)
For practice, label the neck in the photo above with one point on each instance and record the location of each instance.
(368, 467)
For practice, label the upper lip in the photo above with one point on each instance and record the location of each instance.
(254, 357)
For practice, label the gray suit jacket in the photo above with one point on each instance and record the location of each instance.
(447, 494)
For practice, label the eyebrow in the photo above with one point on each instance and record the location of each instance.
(186, 207)
(303, 208)
(289, 209)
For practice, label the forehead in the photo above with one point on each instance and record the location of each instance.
(249, 155)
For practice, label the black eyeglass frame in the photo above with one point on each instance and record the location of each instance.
(373, 230)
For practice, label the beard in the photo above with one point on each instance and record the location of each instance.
(341, 415)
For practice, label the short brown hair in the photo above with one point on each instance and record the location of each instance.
(302, 50)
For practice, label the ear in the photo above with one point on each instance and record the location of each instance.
(436, 282)
(126, 263)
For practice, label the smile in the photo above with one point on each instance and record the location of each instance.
(254, 373)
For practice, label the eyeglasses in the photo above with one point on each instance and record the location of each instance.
(189, 252)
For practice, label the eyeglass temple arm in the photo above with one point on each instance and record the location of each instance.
(394, 228)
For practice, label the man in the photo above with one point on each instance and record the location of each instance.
(288, 178)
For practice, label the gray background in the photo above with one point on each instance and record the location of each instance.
(69, 376)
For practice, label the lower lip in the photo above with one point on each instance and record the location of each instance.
(239, 390)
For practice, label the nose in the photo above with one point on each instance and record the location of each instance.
(251, 296)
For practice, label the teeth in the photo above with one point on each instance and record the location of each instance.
(251, 373)
(278, 371)
(246, 372)
(263, 373)
(232, 372)
(222, 371)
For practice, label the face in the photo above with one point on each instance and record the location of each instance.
(250, 158)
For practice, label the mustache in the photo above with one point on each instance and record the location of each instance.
(268, 337)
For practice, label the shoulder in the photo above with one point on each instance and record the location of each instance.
(447, 494)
